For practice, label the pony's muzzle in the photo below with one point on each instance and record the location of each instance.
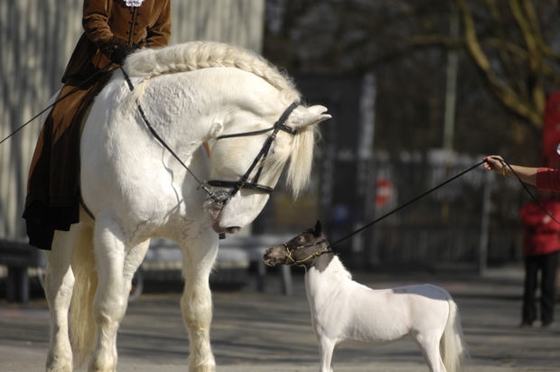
(274, 256)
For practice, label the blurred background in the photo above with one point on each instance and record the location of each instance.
(419, 90)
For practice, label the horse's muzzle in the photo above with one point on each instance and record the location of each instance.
(214, 205)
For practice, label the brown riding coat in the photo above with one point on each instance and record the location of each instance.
(53, 192)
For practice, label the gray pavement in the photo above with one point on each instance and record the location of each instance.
(270, 332)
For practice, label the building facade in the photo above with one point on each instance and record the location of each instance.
(37, 39)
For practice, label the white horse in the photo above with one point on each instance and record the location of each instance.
(142, 170)
(342, 309)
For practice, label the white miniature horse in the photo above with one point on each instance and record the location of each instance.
(342, 309)
(142, 165)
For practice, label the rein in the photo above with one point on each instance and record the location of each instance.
(76, 88)
(261, 156)
(223, 197)
(152, 130)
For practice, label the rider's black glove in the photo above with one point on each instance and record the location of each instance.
(120, 53)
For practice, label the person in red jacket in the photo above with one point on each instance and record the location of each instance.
(541, 244)
(543, 178)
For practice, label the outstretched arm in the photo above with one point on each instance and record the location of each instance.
(541, 177)
(497, 164)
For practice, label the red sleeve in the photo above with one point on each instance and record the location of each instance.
(548, 179)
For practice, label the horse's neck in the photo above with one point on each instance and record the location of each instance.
(321, 284)
(206, 98)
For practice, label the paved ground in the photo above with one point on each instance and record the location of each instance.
(270, 332)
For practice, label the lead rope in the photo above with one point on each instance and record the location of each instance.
(406, 204)
(437, 187)
(533, 198)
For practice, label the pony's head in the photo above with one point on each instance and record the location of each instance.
(305, 249)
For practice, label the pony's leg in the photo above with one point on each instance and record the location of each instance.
(196, 302)
(326, 349)
(429, 344)
(59, 281)
(111, 299)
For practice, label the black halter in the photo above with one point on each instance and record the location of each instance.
(290, 261)
(243, 182)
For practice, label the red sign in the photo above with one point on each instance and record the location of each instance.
(383, 191)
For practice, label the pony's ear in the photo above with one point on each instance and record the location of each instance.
(318, 229)
(311, 115)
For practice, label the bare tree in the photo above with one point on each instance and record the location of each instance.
(511, 43)
(507, 64)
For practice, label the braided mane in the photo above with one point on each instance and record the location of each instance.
(148, 63)
(196, 55)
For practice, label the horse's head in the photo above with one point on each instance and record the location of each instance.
(247, 163)
(301, 250)
(235, 97)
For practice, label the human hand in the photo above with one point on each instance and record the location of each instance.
(495, 163)
(120, 53)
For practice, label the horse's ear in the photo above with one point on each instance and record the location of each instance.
(318, 229)
(312, 115)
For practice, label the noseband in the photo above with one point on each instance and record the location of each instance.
(243, 182)
(290, 261)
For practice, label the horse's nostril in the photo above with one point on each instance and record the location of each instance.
(233, 229)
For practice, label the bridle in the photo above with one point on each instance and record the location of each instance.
(290, 261)
(221, 197)
(243, 182)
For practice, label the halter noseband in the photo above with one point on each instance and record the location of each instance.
(243, 183)
(290, 261)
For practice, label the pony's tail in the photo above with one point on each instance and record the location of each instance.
(83, 332)
(452, 345)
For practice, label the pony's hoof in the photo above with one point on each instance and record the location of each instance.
(203, 367)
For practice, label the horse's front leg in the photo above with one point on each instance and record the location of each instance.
(196, 301)
(59, 281)
(111, 299)
(326, 349)
(132, 262)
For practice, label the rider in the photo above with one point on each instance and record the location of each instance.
(112, 30)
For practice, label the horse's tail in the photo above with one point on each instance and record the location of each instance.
(83, 332)
(452, 344)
